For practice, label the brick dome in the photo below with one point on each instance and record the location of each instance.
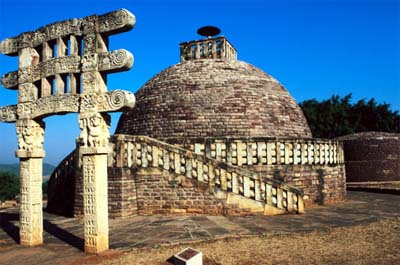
(214, 97)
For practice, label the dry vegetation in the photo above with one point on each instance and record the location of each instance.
(376, 243)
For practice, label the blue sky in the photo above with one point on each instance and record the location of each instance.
(314, 48)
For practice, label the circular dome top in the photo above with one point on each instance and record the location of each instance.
(214, 98)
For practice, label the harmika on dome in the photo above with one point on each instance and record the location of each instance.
(211, 135)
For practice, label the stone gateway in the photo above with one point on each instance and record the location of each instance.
(62, 69)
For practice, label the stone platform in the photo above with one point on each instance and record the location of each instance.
(63, 237)
(392, 187)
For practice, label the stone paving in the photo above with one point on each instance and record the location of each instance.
(63, 236)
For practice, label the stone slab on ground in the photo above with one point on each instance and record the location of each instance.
(63, 236)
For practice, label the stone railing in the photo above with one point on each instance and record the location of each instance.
(267, 151)
(142, 151)
(211, 48)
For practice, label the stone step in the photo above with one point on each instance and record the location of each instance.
(243, 192)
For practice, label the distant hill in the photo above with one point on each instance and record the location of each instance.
(14, 169)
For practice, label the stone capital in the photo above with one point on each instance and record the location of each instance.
(94, 134)
(30, 138)
(94, 150)
(39, 153)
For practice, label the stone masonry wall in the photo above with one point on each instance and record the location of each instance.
(147, 176)
(322, 184)
(372, 157)
(159, 192)
(121, 192)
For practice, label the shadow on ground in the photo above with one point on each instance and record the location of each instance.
(7, 221)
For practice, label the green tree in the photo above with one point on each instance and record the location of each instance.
(337, 116)
(9, 186)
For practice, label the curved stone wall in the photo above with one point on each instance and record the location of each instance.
(147, 176)
(372, 156)
(315, 166)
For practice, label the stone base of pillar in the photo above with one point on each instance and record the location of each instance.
(100, 244)
(32, 243)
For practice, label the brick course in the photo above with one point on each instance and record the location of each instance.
(372, 156)
(209, 98)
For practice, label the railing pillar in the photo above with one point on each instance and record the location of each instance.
(268, 194)
(289, 201)
(279, 198)
(300, 204)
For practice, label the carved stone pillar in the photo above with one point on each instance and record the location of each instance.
(94, 150)
(30, 151)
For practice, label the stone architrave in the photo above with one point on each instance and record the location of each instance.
(80, 86)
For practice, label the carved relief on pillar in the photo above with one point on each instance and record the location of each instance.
(89, 198)
(94, 130)
(24, 223)
(27, 92)
(8, 113)
(94, 168)
(31, 201)
(88, 172)
(30, 138)
(24, 201)
(89, 62)
(90, 41)
(89, 82)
